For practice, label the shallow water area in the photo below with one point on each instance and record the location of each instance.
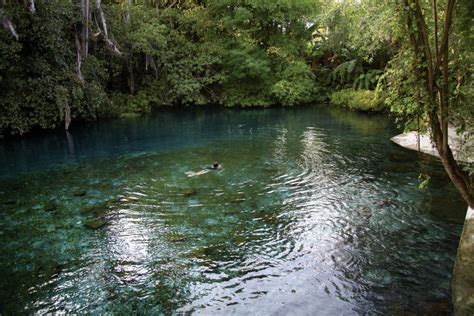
(314, 211)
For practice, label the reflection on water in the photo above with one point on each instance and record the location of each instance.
(315, 212)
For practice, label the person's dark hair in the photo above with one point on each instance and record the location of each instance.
(215, 165)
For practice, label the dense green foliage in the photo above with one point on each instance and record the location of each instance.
(247, 53)
(361, 100)
(402, 84)
(233, 53)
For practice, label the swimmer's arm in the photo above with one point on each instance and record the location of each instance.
(193, 174)
(201, 172)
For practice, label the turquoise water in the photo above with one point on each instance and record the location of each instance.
(314, 212)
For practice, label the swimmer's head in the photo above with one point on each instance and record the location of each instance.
(215, 165)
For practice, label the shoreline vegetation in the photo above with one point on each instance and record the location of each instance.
(62, 62)
(65, 62)
(360, 100)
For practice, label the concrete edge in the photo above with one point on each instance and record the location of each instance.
(462, 283)
(422, 142)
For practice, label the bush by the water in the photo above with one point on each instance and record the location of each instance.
(361, 100)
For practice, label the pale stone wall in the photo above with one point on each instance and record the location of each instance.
(463, 276)
(461, 145)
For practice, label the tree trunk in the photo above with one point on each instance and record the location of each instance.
(457, 177)
(8, 25)
(6, 22)
(131, 76)
(435, 70)
(103, 27)
(150, 61)
(79, 57)
(85, 28)
(126, 17)
(82, 41)
(31, 6)
(129, 62)
(67, 117)
(454, 171)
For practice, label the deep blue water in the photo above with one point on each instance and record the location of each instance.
(314, 212)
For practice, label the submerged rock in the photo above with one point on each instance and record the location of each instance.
(50, 207)
(239, 197)
(365, 212)
(95, 223)
(50, 270)
(189, 192)
(57, 269)
(97, 209)
(99, 212)
(79, 193)
(88, 209)
(9, 202)
(176, 237)
(400, 157)
(238, 200)
(205, 253)
(239, 240)
(387, 203)
(269, 218)
(268, 169)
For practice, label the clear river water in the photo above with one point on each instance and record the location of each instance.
(315, 212)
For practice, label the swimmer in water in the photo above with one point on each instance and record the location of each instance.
(214, 167)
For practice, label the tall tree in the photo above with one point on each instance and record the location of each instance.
(429, 30)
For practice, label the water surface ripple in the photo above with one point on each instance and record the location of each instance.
(314, 212)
